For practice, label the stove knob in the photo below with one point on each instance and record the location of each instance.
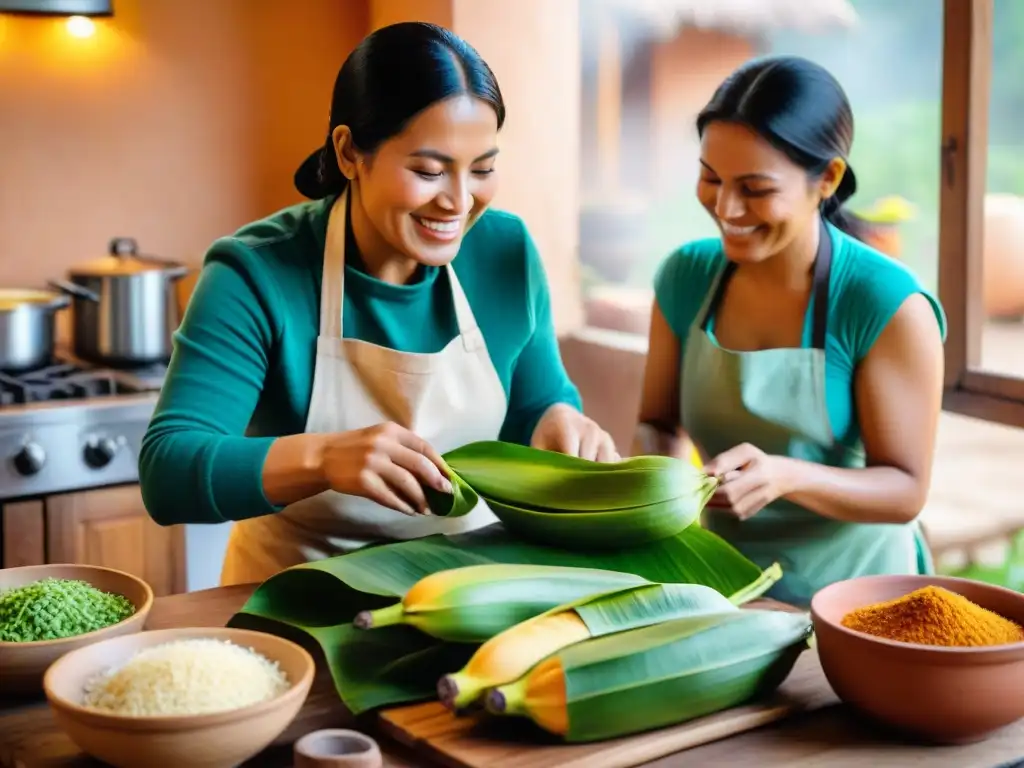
(99, 452)
(30, 459)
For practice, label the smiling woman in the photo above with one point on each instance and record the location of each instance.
(332, 351)
(766, 192)
(805, 365)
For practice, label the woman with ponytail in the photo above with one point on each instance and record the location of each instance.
(332, 351)
(805, 366)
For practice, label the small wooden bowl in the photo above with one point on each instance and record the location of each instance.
(22, 664)
(214, 740)
(939, 694)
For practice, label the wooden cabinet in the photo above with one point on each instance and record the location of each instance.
(108, 527)
(23, 534)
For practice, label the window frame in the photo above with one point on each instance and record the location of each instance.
(966, 80)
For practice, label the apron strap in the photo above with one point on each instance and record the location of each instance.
(822, 282)
(463, 312)
(711, 306)
(819, 290)
(332, 287)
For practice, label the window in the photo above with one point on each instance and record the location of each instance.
(982, 207)
(938, 151)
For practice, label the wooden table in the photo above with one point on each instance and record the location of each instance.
(828, 738)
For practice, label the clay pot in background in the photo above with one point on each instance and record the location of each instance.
(1003, 262)
(884, 237)
(879, 224)
(612, 231)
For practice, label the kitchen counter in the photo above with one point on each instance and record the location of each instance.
(830, 737)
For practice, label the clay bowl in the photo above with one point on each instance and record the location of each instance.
(22, 664)
(215, 740)
(337, 748)
(937, 694)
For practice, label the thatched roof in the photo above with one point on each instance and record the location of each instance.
(738, 16)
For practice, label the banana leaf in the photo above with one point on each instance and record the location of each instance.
(635, 607)
(399, 664)
(627, 607)
(618, 609)
(668, 673)
(631, 607)
(560, 500)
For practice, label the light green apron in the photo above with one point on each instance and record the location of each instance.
(775, 400)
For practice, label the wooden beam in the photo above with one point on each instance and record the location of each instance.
(966, 70)
(994, 385)
(978, 406)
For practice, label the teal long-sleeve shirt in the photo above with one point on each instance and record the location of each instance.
(242, 370)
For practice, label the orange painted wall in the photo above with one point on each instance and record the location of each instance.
(182, 119)
(684, 74)
(177, 122)
(533, 46)
(386, 12)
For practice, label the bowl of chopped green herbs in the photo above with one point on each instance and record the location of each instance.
(49, 610)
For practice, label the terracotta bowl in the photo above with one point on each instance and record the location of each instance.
(22, 664)
(938, 694)
(215, 740)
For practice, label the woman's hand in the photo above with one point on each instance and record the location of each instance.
(563, 429)
(749, 479)
(386, 463)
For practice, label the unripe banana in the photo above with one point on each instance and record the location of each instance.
(474, 603)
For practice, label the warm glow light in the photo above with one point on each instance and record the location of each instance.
(80, 26)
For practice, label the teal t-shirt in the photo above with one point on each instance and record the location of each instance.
(865, 290)
(242, 370)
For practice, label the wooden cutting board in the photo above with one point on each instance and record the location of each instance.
(485, 743)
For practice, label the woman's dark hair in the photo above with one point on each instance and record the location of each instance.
(394, 74)
(799, 108)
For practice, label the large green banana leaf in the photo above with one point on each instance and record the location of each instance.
(558, 500)
(399, 664)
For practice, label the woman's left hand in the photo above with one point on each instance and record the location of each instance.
(563, 429)
(749, 480)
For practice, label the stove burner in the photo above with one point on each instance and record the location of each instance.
(61, 381)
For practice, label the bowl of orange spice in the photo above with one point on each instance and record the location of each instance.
(934, 657)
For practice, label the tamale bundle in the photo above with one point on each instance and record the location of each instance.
(658, 675)
(571, 503)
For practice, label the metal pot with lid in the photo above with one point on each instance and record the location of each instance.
(27, 327)
(125, 309)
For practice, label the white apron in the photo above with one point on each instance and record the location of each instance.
(448, 398)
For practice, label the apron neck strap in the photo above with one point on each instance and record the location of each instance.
(819, 289)
(463, 312)
(332, 288)
(332, 285)
(822, 282)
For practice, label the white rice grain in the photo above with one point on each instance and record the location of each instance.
(186, 677)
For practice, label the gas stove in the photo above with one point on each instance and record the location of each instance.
(73, 426)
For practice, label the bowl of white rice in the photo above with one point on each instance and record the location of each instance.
(201, 698)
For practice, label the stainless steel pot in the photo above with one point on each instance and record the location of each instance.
(124, 306)
(27, 321)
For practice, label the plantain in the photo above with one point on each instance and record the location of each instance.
(474, 603)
